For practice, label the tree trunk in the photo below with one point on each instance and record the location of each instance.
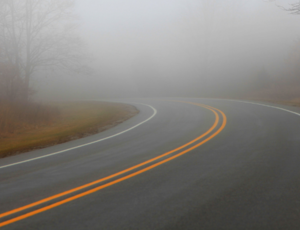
(26, 85)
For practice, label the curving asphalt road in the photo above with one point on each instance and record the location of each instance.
(181, 163)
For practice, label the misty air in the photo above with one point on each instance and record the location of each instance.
(147, 114)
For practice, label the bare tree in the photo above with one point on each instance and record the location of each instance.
(11, 85)
(39, 34)
(293, 65)
(293, 9)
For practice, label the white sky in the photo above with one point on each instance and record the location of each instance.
(119, 15)
(115, 15)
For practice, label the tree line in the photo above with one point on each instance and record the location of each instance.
(36, 36)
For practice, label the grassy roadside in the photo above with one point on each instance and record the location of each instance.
(293, 102)
(284, 93)
(75, 120)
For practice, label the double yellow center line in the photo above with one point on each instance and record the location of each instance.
(74, 197)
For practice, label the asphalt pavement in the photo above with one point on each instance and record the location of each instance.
(181, 163)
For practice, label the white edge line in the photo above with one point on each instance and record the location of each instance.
(275, 107)
(93, 142)
(260, 104)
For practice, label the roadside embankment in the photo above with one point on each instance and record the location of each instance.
(284, 93)
(33, 126)
(294, 102)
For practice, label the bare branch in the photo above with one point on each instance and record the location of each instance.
(37, 34)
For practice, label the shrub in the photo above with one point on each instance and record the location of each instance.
(19, 116)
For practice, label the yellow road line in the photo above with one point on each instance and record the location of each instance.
(109, 177)
(116, 174)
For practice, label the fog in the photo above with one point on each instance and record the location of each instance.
(166, 48)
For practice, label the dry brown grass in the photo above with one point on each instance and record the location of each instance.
(278, 92)
(285, 94)
(27, 127)
(16, 117)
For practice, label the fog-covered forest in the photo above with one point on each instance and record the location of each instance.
(109, 49)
